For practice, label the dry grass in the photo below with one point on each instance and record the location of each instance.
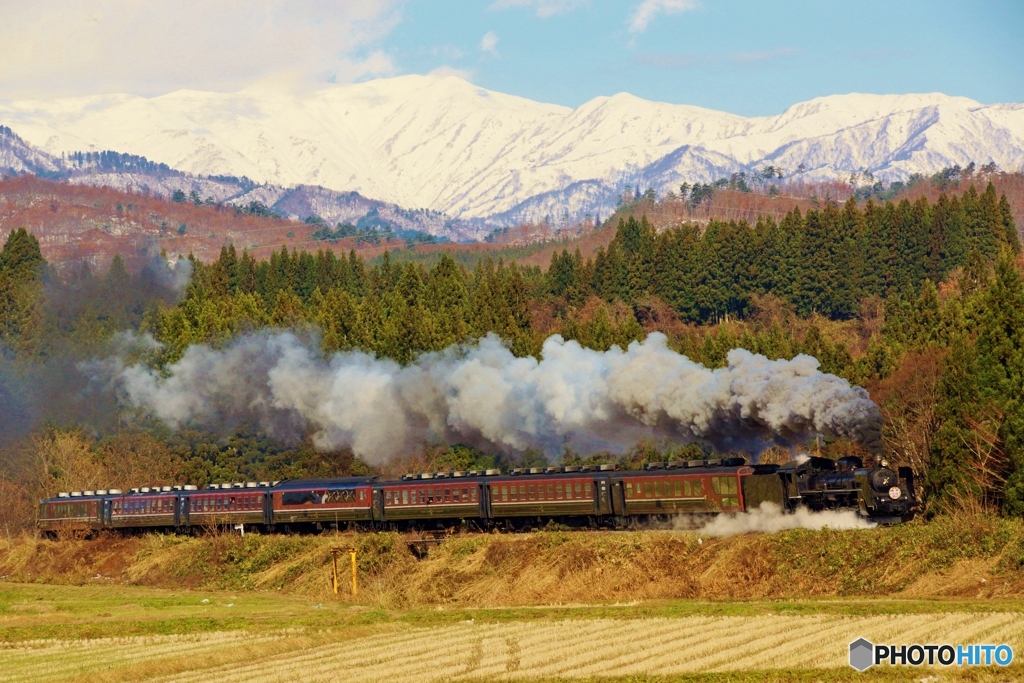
(557, 650)
(974, 558)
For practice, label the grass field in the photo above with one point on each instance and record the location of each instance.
(117, 633)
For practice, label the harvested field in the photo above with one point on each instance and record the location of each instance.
(107, 633)
(556, 650)
(606, 647)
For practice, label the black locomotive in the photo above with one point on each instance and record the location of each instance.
(597, 496)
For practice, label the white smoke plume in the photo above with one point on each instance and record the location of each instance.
(769, 518)
(171, 273)
(483, 395)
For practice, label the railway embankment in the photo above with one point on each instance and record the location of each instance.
(975, 557)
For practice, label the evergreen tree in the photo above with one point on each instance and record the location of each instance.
(873, 243)
(1009, 227)
(636, 242)
(21, 258)
(949, 479)
(245, 274)
(676, 270)
(21, 298)
(1001, 370)
(714, 280)
(447, 299)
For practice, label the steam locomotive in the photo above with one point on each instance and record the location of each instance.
(596, 496)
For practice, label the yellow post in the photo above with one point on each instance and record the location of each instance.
(334, 560)
(355, 586)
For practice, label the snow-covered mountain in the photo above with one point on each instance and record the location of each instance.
(137, 174)
(444, 144)
(18, 157)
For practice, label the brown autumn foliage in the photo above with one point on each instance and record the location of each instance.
(79, 222)
(137, 458)
(40, 467)
(76, 223)
(735, 205)
(727, 205)
(16, 507)
(64, 460)
(907, 399)
(1010, 184)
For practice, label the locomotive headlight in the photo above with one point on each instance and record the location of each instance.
(895, 493)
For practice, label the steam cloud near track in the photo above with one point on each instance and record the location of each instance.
(483, 395)
(770, 518)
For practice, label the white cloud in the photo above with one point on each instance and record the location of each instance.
(444, 71)
(544, 8)
(86, 46)
(489, 43)
(648, 9)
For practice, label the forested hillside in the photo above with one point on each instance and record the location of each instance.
(824, 262)
(921, 302)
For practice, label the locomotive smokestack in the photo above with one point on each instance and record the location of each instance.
(482, 394)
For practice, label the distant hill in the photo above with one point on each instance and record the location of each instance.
(78, 223)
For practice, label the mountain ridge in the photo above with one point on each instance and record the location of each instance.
(447, 145)
(136, 174)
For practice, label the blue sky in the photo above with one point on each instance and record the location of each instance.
(751, 57)
(742, 56)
